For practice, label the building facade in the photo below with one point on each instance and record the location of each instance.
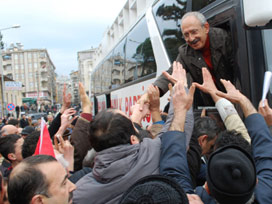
(85, 67)
(34, 69)
(74, 76)
(61, 80)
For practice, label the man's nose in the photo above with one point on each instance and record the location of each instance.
(72, 186)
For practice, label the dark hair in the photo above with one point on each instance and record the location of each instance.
(28, 181)
(205, 126)
(232, 138)
(30, 144)
(7, 144)
(13, 122)
(110, 129)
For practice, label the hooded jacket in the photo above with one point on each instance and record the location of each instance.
(116, 169)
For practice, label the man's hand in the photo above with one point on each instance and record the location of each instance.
(65, 148)
(181, 100)
(143, 100)
(154, 98)
(66, 100)
(178, 74)
(66, 119)
(266, 112)
(235, 96)
(137, 116)
(208, 85)
(86, 102)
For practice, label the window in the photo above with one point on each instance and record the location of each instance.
(267, 44)
(16, 66)
(199, 4)
(29, 55)
(168, 15)
(118, 64)
(106, 76)
(140, 59)
(31, 84)
(10, 76)
(16, 76)
(15, 56)
(30, 74)
(8, 67)
(42, 55)
(35, 65)
(22, 66)
(30, 65)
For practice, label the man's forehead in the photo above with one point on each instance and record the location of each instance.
(52, 170)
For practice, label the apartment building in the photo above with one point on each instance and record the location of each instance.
(36, 71)
(85, 67)
(74, 76)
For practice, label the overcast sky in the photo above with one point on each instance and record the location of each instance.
(63, 27)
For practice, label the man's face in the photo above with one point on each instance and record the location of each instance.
(10, 129)
(18, 149)
(60, 188)
(194, 33)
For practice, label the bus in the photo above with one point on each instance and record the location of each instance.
(151, 45)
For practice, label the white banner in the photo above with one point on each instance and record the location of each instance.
(13, 85)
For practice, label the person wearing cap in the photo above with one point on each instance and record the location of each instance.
(26, 131)
(233, 175)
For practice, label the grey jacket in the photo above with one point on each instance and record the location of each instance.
(116, 169)
(193, 61)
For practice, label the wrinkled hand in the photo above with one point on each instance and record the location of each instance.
(233, 94)
(154, 98)
(66, 119)
(86, 102)
(181, 100)
(266, 112)
(66, 100)
(178, 74)
(143, 100)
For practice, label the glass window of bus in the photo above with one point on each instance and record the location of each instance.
(97, 80)
(199, 4)
(140, 59)
(106, 73)
(267, 43)
(168, 14)
(118, 73)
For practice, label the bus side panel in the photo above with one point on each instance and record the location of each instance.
(124, 98)
(101, 102)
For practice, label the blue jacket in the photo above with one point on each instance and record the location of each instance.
(173, 160)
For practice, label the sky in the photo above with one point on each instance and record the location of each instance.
(63, 27)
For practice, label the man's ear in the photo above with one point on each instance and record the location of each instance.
(37, 199)
(134, 140)
(202, 139)
(11, 156)
(207, 27)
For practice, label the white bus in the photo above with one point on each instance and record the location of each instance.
(151, 45)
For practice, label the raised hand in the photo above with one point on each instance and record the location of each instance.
(66, 100)
(208, 85)
(178, 74)
(266, 112)
(154, 98)
(86, 102)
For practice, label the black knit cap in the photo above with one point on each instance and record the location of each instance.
(231, 175)
(155, 189)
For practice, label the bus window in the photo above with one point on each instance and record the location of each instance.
(97, 80)
(140, 59)
(199, 4)
(118, 69)
(106, 76)
(168, 15)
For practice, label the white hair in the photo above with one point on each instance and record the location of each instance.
(196, 14)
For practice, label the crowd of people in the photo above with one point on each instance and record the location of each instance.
(180, 158)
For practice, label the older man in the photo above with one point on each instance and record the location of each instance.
(35, 180)
(205, 47)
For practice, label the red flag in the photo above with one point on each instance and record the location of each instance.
(44, 145)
